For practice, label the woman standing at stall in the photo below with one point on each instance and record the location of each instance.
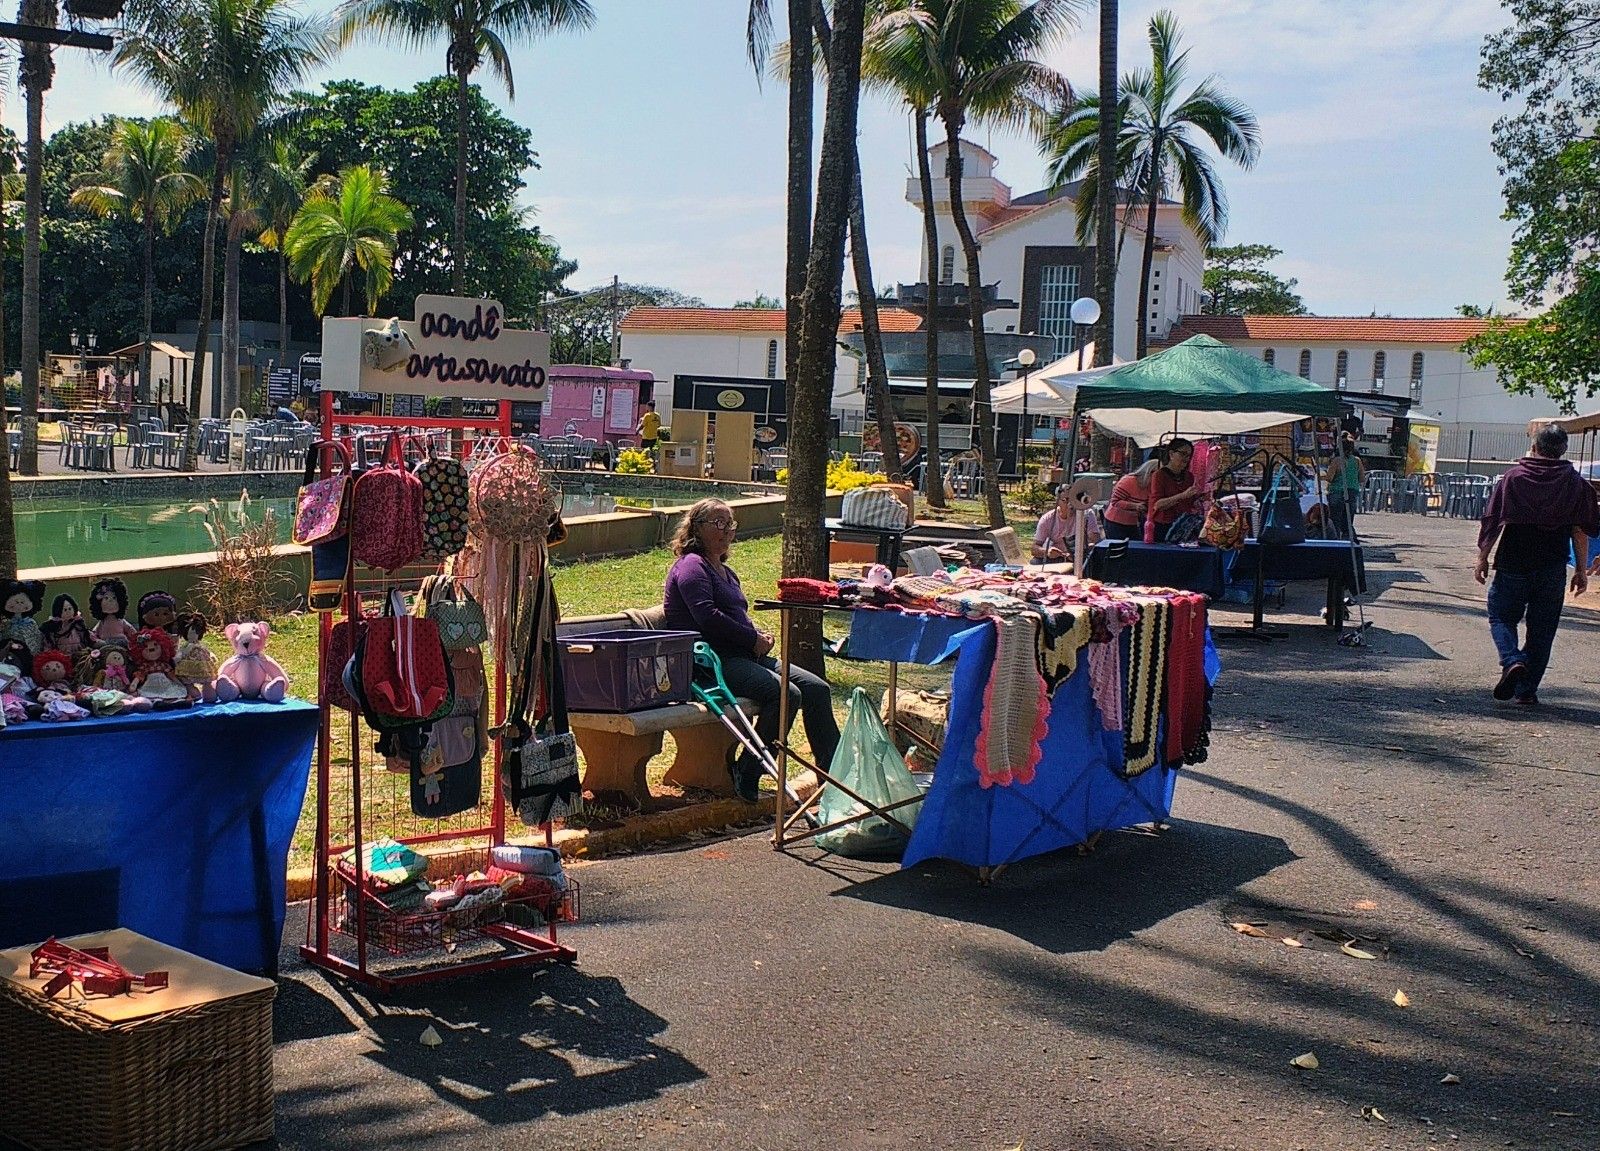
(1172, 488)
(703, 594)
(1130, 499)
(1344, 488)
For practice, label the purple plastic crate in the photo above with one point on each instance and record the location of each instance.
(627, 670)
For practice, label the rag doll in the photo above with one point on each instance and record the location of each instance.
(20, 601)
(14, 653)
(196, 665)
(250, 673)
(158, 609)
(65, 630)
(111, 669)
(108, 603)
(52, 672)
(153, 651)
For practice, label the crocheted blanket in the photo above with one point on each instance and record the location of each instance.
(1147, 683)
(1015, 705)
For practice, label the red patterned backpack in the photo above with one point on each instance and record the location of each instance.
(386, 513)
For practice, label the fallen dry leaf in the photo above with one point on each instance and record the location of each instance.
(714, 854)
(430, 1037)
(1365, 905)
(1288, 942)
(1373, 1113)
(1355, 952)
(1450, 1079)
(1249, 929)
(1401, 999)
(1306, 1062)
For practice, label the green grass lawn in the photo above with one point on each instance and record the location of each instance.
(593, 587)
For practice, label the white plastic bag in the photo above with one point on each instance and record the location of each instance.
(868, 763)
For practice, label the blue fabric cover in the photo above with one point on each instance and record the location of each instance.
(1311, 560)
(1202, 569)
(1078, 789)
(173, 824)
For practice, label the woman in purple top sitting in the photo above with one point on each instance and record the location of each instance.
(703, 595)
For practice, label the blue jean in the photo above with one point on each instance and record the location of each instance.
(809, 695)
(1534, 598)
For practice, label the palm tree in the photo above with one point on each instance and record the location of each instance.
(37, 72)
(11, 190)
(978, 59)
(346, 230)
(1157, 146)
(223, 64)
(474, 30)
(285, 177)
(1105, 257)
(144, 177)
(241, 217)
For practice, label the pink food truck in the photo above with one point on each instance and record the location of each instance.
(599, 403)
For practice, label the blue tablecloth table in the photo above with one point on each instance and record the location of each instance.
(173, 824)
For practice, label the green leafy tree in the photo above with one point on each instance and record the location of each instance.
(760, 300)
(473, 31)
(1237, 283)
(284, 180)
(979, 61)
(346, 231)
(1158, 147)
(145, 178)
(224, 65)
(580, 323)
(407, 134)
(1549, 61)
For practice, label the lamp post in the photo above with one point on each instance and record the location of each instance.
(1025, 360)
(1085, 313)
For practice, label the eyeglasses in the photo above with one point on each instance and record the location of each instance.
(722, 523)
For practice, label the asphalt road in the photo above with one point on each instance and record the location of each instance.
(729, 997)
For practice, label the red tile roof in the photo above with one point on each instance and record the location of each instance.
(646, 319)
(1452, 330)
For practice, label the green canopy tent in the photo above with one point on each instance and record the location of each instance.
(1198, 388)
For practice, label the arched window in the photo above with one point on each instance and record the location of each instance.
(1305, 363)
(1269, 356)
(947, 265)
(772, 359)
(1380, 362)
(1416, 375)
(1341, 367)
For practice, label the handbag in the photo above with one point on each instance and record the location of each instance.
(539, 772)
(1185, 528)
(1224, 526)
(457, 614)
(1283, 523)
(444, 506)
(341, 646)
(322, 506)
(386, 513)
(872, 508)
(404, 670)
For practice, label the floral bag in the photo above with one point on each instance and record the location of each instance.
(322, 506)
(386, 516)
(444, 506)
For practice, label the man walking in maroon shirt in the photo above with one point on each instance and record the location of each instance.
(1541, 511)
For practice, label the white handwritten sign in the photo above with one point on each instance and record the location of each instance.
(454, 347)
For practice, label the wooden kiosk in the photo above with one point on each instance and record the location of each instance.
(748, 416)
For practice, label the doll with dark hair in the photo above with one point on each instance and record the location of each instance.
(16, 653)
(158, 609)
(196, 665)
(108, 603)
(65, 630)
(20, 601)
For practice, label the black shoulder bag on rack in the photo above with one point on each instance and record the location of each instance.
(540, 768)
(1282, 520)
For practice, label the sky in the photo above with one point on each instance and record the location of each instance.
(662, 159)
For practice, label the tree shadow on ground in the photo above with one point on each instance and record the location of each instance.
(1067, 902)
(515, 1048)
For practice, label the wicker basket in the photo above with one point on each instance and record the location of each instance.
(191, 1079)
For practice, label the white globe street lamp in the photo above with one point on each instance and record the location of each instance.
(1085, 313)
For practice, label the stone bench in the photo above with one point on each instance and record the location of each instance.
(617, 746)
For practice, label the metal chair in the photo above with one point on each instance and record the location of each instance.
(966, 478)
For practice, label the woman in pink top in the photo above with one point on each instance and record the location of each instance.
(1130, 497)
(1052, 539)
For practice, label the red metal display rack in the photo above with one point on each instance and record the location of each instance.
(351, 930)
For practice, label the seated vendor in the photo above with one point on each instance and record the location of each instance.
(1053, 538)
(1130, 496)
(1172, 488)
(703, 594)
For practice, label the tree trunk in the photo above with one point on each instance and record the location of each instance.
(804, 544)
(1105, 253)
(8, 524)
(228, 366)
(208, 284)
(980, 346)
(37, 71)
(797, 223)
(932, 472)
(871, 329)
(458, 273)
(283, 304)
(866, 292)
(1143, 345)
(148, 303)
(344, 298)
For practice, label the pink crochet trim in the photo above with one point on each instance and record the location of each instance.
(1014, 721)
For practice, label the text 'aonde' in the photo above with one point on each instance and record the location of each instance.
(483, 324)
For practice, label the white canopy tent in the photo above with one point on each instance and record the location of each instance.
(1145, 428)
(1049, 389)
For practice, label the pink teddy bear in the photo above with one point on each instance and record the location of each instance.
(250, 673)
